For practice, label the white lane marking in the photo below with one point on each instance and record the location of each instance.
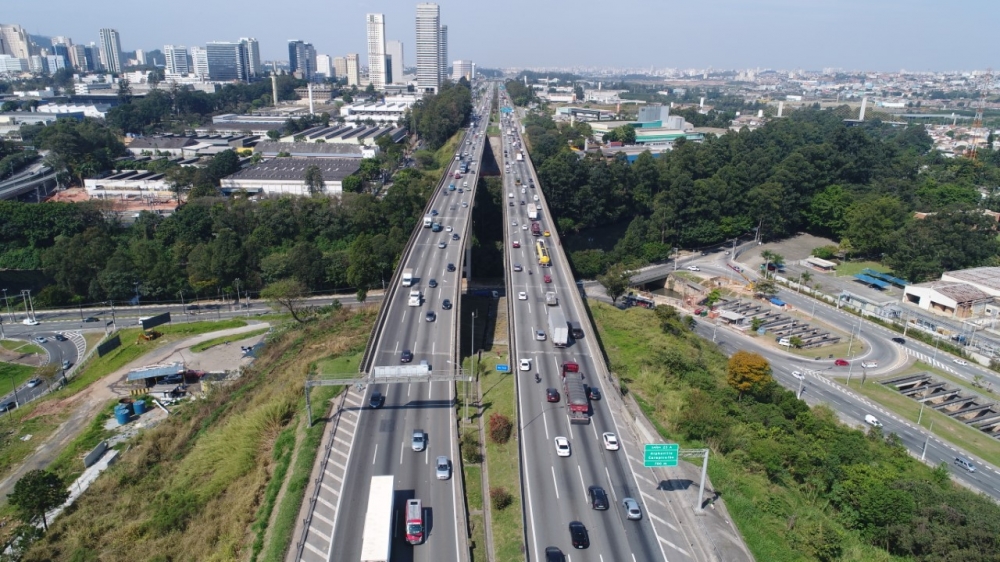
(594, 427)
(675, 547)
(400, 453)
(555, 483)
(409, 387)
(395, 349)
(546, 422)
(583, 485)
(660, 519)
(375, 455)
(610, 484)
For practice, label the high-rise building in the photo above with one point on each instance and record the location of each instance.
(339, 67)
(253, 62)
(199, 62)
(140, 57)
(428, 47)
(177, 59)
(36, 64)
(225, 61)
(443, 53)
(394, 51)
(52, 63)
(14, 41)
(111, 50)
(376, 50)
(462, 69)
(301, 58)
(353, 70)
(62, 50)
(12, 64)
(324, 65)
(93, 57)
(78, 57)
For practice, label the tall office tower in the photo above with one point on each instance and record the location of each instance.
(111, 50)
(443, 53)
(140, 57)
(177, 59)
(324, 65)
(78, 56)
(225, 61)
(62, 40)
(253, 62)
(353, 70)
(199, 62)
(62, 50)
(93, 57)
(301, 58)
(376, 50)
(14, 41)
(339, 67)
(52, 63)
(428, 47)
(36, 64)
(394, 50)
(461, 69)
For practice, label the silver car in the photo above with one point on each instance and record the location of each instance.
(632, 510)
(419, 440)
(443, 468)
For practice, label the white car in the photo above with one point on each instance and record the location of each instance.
(524, 227)
(525, 364)
(513, 223)
(693, 268)
(798, 375)
(447, 228)
(610, 441)
(522, 296)
(29, 322)
(961, 362)
(562, 446)
(535, 197)
(523, 190)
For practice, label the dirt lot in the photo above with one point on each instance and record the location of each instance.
(793, 249)
(84, 405)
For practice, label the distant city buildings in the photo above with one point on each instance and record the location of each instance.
(252, 60)
(111, 50)
(443, 55)
(394, 57)
(428, 47)
(376, 51)
(301, 59)
(177, 59)
(462, 69)
(339, 67)
(353, 70)
(199, 62)
(14, 41)
(226, 61)
(324, 66)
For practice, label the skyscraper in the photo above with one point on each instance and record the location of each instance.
(353, 70)
(301, 58)
(324, 66)
(443, 54)
(14, 41)
(254, 66)
(78, 56)
(462, 69)
(226, 61)
(111, 50)
(177, 59)
(199, 62)
(394, 50)
(428, 47)
(140, 57)
(376, 51)
(339, 67)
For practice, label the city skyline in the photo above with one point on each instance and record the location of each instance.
(779, 34)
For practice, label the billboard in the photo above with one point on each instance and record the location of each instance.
(109, 346)
(153, 321)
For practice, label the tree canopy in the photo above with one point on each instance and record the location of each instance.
(436, 118)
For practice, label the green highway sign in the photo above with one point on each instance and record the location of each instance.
(658, 455)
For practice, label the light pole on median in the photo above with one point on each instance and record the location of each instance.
(9, 313)
(923, 453)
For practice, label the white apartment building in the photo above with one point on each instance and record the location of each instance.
(394, 52)
(111, 50)
(177, 59)
(376, 51)
(428, 47)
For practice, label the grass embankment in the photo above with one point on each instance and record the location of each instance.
(20, 346)
(222, 340)
(200, 486)
(13, 376)
(798, 484)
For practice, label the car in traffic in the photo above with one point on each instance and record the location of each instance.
(693, 268)
(551, 395)
(451, 267)
(430, 316)
(539, 335)
(91, 319)
(442, 244)
(454, 236)
(841, 362)
(961, 362)
(598, 498)
(406, 356)
(593, 393)
(547, 278)
(553, 554)
(900, 341)
(432, 283)
(59, 337)
(40, 339)
(513, 223)
(546, 233)
(446, 304)
(798, 375)
(448, 228)
(517, 267)
(465, 204)
(65, 364)
(522, 296)
(29, 322)
(418, 441)
(872, 421)
(515, 244)
(610, 441)
(578, 535)
(524, 364)
(8, 406)
(34, 382)
(632, 510)
(442, 468)
(376, 400)
(562, 446)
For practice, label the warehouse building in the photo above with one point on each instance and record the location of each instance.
(286, 176)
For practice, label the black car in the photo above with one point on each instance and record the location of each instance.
(900, 341)
(598, 498)
(578, 534)
(593, 393)
(553, 554)
(8, 406)
(430, 316)
(60, 337)
(171, 379)
(446, 304)
(406, 356)
(376, 400)
(451, 267)
(432, 283)
(454, 236)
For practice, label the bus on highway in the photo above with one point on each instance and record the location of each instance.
(542, 253)
(536, 229)
(376, 542)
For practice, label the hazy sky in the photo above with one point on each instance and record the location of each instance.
(781, 34)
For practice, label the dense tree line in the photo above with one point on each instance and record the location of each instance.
(436, 118)
(807, 172)
(209, 243)
(85, 147)
(519, 93)
(14, 158)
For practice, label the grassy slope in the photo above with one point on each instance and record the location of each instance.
(196, 487)
(14, 375)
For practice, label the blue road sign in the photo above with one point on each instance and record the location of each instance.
(503, 368)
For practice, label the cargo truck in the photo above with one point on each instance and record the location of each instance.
(551, 299)
(414, 521)
(376, 541)
(576, 394)
(407, 277)
(415, 298)
(519, 157)
(558, 329)
(428, 221)
(532, 213)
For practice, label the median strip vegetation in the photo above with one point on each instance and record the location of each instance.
(798, 483)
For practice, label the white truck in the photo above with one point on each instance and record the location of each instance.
(415, 297)
(551, 299)
(376, 542)
(519, 157)
(428, 221)
(407, 277)
(558, 328)
(532, 211)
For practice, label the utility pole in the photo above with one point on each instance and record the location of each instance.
(851, 344)
(676, 254)
(9, 313)
(923, 453)
(921, 414)
(183, 308)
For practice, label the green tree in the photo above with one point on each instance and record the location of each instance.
(286, 294)
(748, 372)
(37, 492)
(313, 178)
(616, 281)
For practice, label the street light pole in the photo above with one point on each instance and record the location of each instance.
(676, 254)
(923, 453)
(9, 313)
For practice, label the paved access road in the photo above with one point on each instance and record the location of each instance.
(380, 445)
(58, 347)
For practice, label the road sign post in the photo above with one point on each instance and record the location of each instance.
(658, 455)
(503, 368)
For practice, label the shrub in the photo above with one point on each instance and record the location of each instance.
(825, 252)
(500, 428)
(470, 448)
(500, 498)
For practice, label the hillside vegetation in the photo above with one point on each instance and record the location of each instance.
(799, 484)
(203, 485)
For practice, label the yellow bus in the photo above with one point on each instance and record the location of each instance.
(542, 253)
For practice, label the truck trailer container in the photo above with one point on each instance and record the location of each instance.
(376, 541)
(558, 329)
(407, 277)
(576, 394)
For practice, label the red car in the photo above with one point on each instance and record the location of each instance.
(547, 278)
(552, 395)
(841, 363)
(516, 244)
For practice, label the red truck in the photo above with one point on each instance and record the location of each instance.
(576, 394)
